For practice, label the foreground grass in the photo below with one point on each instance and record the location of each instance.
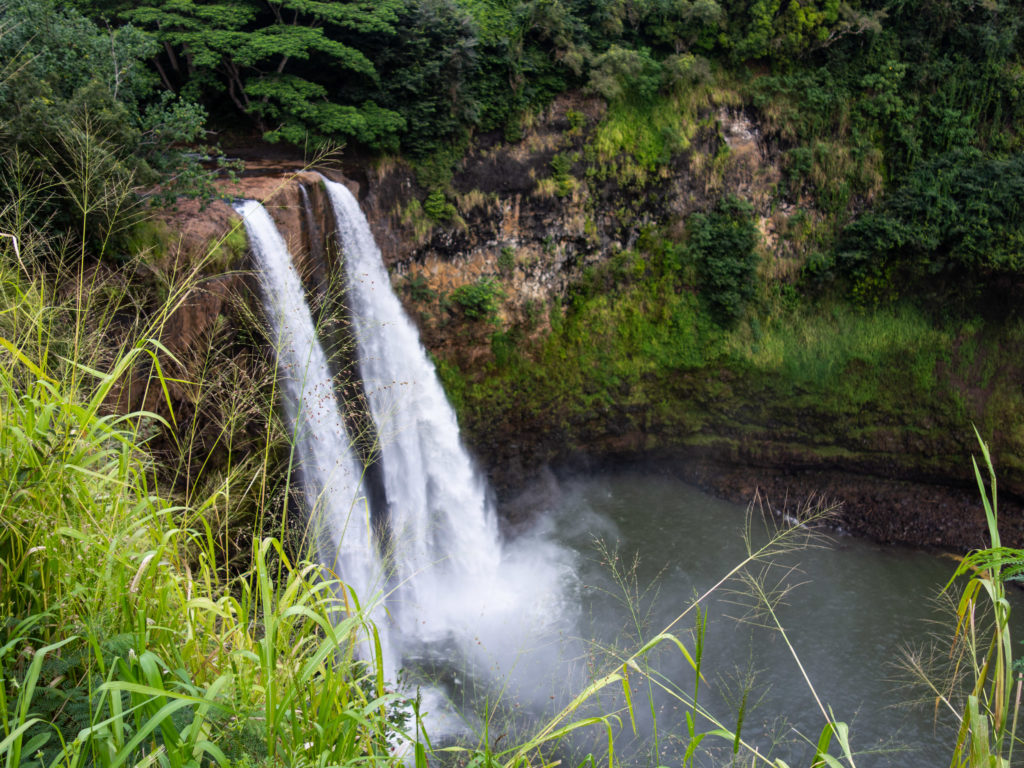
(131, 631)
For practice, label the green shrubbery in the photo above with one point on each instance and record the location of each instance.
(950, 233)
(135, 626)
(479, 300)
(723, 244)
(437, 207)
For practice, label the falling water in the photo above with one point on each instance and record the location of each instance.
(458, 580)
(330, 474)
(456, 592)
(442, 520)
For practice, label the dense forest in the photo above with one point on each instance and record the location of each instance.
(155, 603)
(900, 120)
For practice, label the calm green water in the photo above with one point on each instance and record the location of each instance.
(852, 610)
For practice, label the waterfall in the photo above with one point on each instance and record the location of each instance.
(456, 593)
(457, 581)
(443, 523)
(329, 472)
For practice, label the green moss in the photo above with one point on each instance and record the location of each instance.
(227, 254)
(635, 140)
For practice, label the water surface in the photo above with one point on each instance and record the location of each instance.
(645, 545)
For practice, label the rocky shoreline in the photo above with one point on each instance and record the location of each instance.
(889, 511)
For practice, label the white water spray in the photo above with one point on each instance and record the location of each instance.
(330, 473)
(454, 583)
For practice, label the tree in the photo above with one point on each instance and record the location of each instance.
(427, 74)
(954, 230)
(791, 29)
(283, 63)
(78, 117)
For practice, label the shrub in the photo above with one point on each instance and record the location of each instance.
(506, 260)
(437, 207)
(723, 245)
(418, 288)
(479, 300)
(953, 230)
(561, 167)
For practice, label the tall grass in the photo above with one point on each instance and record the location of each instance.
(816, 349)
(990, 705)
(125, 637)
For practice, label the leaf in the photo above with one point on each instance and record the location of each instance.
(629, 698)
(36, 370)
(821, 750)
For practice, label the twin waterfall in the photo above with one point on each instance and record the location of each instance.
(441, 575)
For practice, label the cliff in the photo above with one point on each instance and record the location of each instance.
(873, 409)
(539, 284)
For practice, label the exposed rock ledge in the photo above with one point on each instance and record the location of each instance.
(914, 508)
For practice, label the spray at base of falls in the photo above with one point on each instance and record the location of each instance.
(456, 585)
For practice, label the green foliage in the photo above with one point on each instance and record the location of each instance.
(576, 120)
(504, 347)
(81, 126)
(622, 74)
(418, 289)
(561, 173)
(427, 75)
(930, 81)
(851, 357)
(479, 300)
(58, 66)
(789, 30)
(435, 170)
(78, 120)
(723, 244)
(988, 729)
(633, 142)
(437, 207)
(277, 63)
(506, 260)
(954, 230)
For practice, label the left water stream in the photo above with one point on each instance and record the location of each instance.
(330, 474)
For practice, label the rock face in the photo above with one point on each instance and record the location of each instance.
(214, 356)
(531, 220)
(536, 237)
